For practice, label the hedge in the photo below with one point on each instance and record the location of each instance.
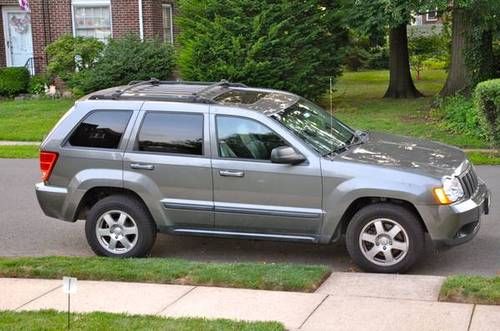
(14, 80)
(487, 100)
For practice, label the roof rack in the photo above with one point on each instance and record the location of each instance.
(222, 83)
(194, 97)
(152, 81)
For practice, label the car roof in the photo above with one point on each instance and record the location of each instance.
(223, 93)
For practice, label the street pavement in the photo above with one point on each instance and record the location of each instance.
(25, 231)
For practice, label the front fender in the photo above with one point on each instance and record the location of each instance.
(340, 193)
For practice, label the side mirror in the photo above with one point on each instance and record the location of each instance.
(286, 155)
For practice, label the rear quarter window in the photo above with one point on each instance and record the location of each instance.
(101, 129)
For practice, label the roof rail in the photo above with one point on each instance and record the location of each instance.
(118, 93)
(223, 83)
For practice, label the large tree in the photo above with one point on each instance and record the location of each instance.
(395, 15)
(473, 25)
(292, 45)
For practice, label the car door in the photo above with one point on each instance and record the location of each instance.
(252, 195)
(168, 162)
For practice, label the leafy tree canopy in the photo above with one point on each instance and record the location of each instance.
(294, 46)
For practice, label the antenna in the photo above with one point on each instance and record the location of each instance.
(331, 114)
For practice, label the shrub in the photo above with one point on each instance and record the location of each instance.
(69, 54)
(124, 60)
(14, 80)
(424, 47)
(296, 46)
(37, 84)
(462, 116)
(487, 100)
(379, 58)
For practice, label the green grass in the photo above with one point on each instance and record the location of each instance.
(471, 289)
(52, 320)
(30, 120)
(19, 152)
(482, 158)
(358, 101)
(286, 277)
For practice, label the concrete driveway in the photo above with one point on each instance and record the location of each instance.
(25, 231)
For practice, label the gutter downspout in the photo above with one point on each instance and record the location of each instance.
(141, 21)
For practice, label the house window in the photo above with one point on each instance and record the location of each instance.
(168, 30)
(92, 18)
(432, 16)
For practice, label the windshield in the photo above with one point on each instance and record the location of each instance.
(315, 126)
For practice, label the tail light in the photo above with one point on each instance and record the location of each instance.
(47, 162)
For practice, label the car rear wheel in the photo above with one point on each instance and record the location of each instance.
(385, 237)
(120, 226)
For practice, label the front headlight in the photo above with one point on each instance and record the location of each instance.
(450, 192)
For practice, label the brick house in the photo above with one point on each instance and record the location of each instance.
(24, 35)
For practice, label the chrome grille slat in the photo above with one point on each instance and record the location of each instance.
(469, 182)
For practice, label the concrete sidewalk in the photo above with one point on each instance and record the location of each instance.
(346, 301)
(19, 143)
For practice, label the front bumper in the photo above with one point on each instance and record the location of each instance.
(459, 222)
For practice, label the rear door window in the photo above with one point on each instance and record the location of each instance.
(101, 129)
(171, 133)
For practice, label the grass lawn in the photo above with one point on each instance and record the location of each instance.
(484, 158)
(19, 152)
(30, 120)
(285, 277)
(358, 101)
(471, 289)
(52, 320)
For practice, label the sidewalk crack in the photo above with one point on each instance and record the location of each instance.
(471, 317)
(176, 300)
(38, 297)
(314, 310)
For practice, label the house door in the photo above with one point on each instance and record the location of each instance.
(18, 39)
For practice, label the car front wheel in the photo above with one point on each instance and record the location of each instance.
(385, 237)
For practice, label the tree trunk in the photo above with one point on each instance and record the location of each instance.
(400, 82)
(457, 80)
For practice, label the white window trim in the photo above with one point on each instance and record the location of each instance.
(165, 7)
(430, 19)
(91, 3)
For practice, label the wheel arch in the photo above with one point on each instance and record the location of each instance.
(362, 202)
(97, 193)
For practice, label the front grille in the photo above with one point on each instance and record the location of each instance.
(469, 182)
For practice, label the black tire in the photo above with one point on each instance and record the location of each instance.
(406, 219)
(146, 234)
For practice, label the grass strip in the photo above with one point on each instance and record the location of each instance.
(265, 276)
(471, 289)
(19, 152)
(484, 158)
(30, 120)
(52, 320)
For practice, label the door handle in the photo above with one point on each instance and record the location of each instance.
(231, 173)
(142, 166)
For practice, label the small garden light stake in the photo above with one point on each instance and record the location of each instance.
(69, 287)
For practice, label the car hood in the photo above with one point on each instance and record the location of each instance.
(417, 155)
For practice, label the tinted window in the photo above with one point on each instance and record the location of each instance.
(244, 138)
(101, 129)
(172, 133)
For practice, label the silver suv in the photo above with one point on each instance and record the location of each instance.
(228, 160)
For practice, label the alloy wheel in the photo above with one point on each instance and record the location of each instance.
(384, 242)
(117, 232)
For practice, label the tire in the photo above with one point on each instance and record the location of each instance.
(371, 243)
(121, 221)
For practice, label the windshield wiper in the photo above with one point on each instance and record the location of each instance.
(358, 138)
